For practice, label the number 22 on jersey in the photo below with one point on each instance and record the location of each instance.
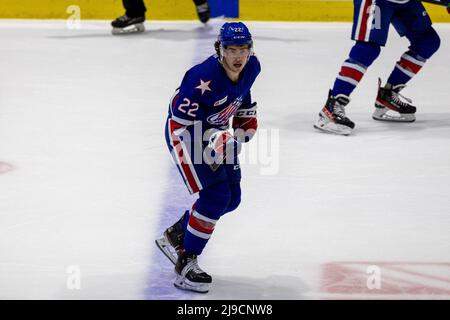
(188, 108)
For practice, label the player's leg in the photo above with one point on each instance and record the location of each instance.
(203, 11)
(190, 234)
(133, 19)
(134, 8)
(332, 117)
(412, 22)
(174, 235)
(180, 141)
(215, 200)
(180, 144)
(228, 195)
(235, 197)
(209, 207)
(370, 31)
(233, 170)
(212, 203)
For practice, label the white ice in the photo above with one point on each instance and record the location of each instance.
(92, 185)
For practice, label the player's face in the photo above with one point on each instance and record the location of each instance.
(235, 57)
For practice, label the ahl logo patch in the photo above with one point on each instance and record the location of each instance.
(221, 101)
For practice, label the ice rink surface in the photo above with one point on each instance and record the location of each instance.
(87, 183)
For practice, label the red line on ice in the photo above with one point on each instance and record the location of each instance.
(5, 167)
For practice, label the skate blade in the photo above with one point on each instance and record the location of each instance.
(338, 129)
(165, 247)
(135, 28)
(184, 284)
(382, 115)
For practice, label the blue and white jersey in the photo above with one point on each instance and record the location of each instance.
(207, 95)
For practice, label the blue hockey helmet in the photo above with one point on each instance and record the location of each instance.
(235, 33)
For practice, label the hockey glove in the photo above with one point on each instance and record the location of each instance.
(245, 124)
(221, 145)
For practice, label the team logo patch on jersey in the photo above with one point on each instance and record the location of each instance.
(221, 101)
(221, 118)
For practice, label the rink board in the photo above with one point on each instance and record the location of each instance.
(261, 10)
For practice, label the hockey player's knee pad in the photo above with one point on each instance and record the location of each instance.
(214, 200)
(425, 44)
(365, 52)
(235, 198)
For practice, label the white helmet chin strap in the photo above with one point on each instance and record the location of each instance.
(221, 53)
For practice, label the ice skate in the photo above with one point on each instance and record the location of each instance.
(171, 241)
(189, 275)
(389, 106)
(203, 12)
(332, 117)
(125, 25)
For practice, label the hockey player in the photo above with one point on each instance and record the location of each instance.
(211, 94)
(133, 19)
(370, 31)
